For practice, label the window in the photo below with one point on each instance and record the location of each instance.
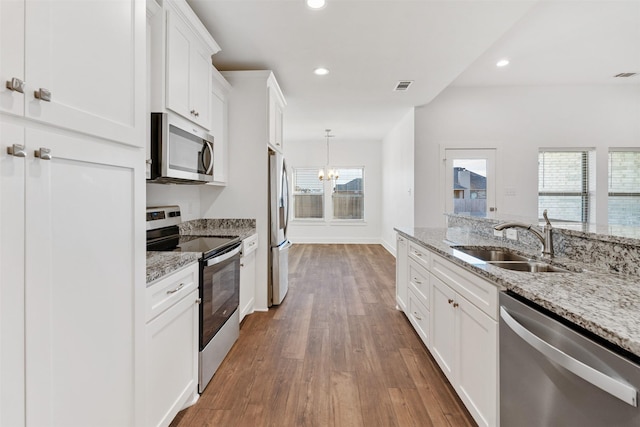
(347, 194)
(347, 197)
(308, 194)
(564, 185)
(624, 188)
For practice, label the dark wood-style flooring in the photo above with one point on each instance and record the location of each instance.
(335, 353)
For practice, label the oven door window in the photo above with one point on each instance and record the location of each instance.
(220, 296)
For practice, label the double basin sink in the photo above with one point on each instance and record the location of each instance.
(507, 259)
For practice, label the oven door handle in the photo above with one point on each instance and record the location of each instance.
(614, 387)
(224, 257)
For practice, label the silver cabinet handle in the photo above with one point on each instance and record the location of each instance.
(449, 300)
(43, 153)
(456, 305)
(17, 150)
(43, 94)
(180, 286)
(15, 84)
(616, 388)
(149, 161)
(415, 314)
(198, 300)
(415, 279)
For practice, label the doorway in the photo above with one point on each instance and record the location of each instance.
(469, 177)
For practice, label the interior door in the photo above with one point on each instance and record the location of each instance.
(469, 177)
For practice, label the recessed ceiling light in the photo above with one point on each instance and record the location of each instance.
(321, 71)
(316, 4)
(502, 63)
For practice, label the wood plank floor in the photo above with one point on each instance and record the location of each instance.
(335, 353)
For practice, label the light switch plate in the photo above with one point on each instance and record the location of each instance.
(498, 233)
(512, 234)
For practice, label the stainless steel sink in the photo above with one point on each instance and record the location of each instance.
(508, 259)
(531, 267)
(492, 254)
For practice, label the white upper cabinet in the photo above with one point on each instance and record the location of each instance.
(75, 65)
(276, 114)
(187, 52)
(219, 127)
(188, 78)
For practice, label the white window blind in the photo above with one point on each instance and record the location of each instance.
(564, 184)
(624, 188)
(308, 194)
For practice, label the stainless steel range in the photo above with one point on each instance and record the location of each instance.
(219, 284)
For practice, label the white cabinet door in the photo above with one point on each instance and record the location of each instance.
(172, 352)
(90, 57)
(188, 72)
(219, 127)
(12, 261)
(443, 342)
(200, 85)
(477, 370)
(11, 55)
(275, 114)
(84, 310)
(402, 266)
(248, 275)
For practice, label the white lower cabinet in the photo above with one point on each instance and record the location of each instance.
(172, 346)
(71, 261)
(401, 272)
(248, 275)
(455, 314)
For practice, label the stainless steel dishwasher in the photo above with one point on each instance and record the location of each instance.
(552, 375)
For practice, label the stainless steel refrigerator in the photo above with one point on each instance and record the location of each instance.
(278, 220)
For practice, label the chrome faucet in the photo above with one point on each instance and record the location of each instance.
(547, 243)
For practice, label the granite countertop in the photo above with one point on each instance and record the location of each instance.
(159, 264)
(604, 303)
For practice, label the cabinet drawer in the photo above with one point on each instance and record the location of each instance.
(169, 290)
(419, 281)
(418, 315)
(419, 254)
(476, 290)
(249, 244)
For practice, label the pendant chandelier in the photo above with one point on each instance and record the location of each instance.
(331, 173)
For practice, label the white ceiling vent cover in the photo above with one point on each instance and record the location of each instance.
(625, 74)
(403, 85)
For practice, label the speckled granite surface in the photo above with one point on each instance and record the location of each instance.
(605, 303)
(159, 264)
(219, 227)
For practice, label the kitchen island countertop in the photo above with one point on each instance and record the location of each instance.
(604, 303)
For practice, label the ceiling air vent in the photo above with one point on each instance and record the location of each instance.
(625, 74)
(403, 85)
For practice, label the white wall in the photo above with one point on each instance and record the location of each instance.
(517, 121)
(185, 196)
(343, 154)
(397, 179)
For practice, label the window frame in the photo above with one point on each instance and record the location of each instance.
(294, 216)
(609, 179)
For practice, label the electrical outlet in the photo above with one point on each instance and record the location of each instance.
(512, 234)
(498, 233)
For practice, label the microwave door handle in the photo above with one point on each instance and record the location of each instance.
(210, 167)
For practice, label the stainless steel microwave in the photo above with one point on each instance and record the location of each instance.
(180, 152)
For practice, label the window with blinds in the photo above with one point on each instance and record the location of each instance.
(565, 184)
(308, 194)
(624, 188)
(347, 197)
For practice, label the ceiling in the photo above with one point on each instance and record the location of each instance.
(370, 45)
